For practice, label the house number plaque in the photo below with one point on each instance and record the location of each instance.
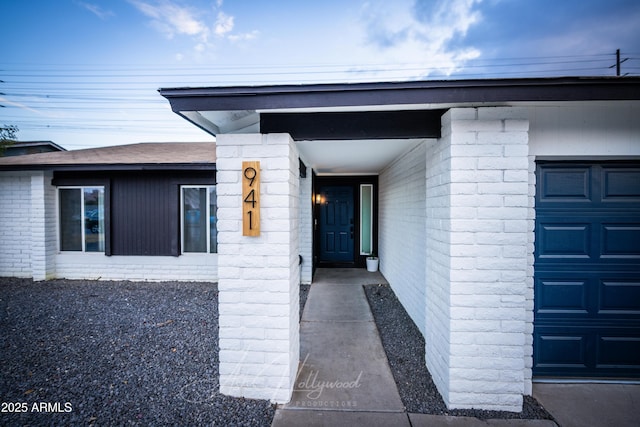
(250, 198)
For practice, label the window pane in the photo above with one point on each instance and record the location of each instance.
(70, 219)
(366, 218)
(94, 219)
(195, 219)
(213, 221)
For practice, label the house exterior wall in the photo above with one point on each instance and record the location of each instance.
(402, 194)
(476, 271)
(306, 228)
(43, 234)
(583, 131)
(29, 242)
(15, 227)
(97, 266)
(580, 131)
(259, 276)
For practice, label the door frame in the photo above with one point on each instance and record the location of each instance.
(354, 182)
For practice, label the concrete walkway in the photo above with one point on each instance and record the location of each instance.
(344, 376)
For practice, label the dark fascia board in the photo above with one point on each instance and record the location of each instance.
(354, 124)
(113, 167)
(399, 93)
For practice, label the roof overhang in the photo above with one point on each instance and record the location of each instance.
(399, 111)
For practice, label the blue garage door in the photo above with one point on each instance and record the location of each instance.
(587, 270)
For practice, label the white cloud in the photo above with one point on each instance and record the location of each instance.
(224, 24)
(244, 36)
(171, 19)
(422, 33)
(96, 10)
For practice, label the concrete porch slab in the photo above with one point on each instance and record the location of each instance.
(333, 303)
(585, 404)
(339, 418)
(344, 367)
(424, 420)
(347, 276)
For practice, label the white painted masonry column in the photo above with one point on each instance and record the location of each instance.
(258, 276)
(43, 226)
(478, 272)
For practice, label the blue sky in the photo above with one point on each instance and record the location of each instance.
(85, 73)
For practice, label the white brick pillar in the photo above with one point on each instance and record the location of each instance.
(43, 226)
(477, 269)
(258, 276)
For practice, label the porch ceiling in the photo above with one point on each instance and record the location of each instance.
(353, 157)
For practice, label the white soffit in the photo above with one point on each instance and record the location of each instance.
(353, 157)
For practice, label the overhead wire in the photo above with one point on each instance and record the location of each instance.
(104, 90)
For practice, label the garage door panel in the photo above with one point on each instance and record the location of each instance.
(593, 352)
(560, 241)
(618, 352)
(557, 184)
(619, 297)
(587, 294)
(621, 184)
(556, 295)
(598, 236)
(587, 270)
(620, 240)
(561, 351)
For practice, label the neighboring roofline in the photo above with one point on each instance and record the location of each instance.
(112, 167)
(133, 157)
(229, 98)
(36, 144)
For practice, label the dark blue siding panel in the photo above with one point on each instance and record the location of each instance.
(587, 270)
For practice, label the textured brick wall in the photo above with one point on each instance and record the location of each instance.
(94, 266)
(43, 226)
(480, 244)
(259, 277)
(401, 243)
(15, 226)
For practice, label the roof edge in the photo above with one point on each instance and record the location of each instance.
(386, 93)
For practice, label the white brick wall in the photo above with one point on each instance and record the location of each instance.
(259, 277)
(478, 264)
(97, 266)
(402, 193)
(15, 226)
(43, 226)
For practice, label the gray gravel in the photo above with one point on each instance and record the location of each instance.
(115, 353)
(404, 345)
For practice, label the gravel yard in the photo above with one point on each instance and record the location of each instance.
(114, 353)
(404, 345)
(143, 353)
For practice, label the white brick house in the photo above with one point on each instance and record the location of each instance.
(505, 213)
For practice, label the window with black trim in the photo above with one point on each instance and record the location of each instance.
(198, 219)
(81, 219)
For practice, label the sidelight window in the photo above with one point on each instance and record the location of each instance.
(198, 219)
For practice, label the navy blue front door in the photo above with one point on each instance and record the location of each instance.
(336, 225)
(587, 270)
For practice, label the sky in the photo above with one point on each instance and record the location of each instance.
(86, 73)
